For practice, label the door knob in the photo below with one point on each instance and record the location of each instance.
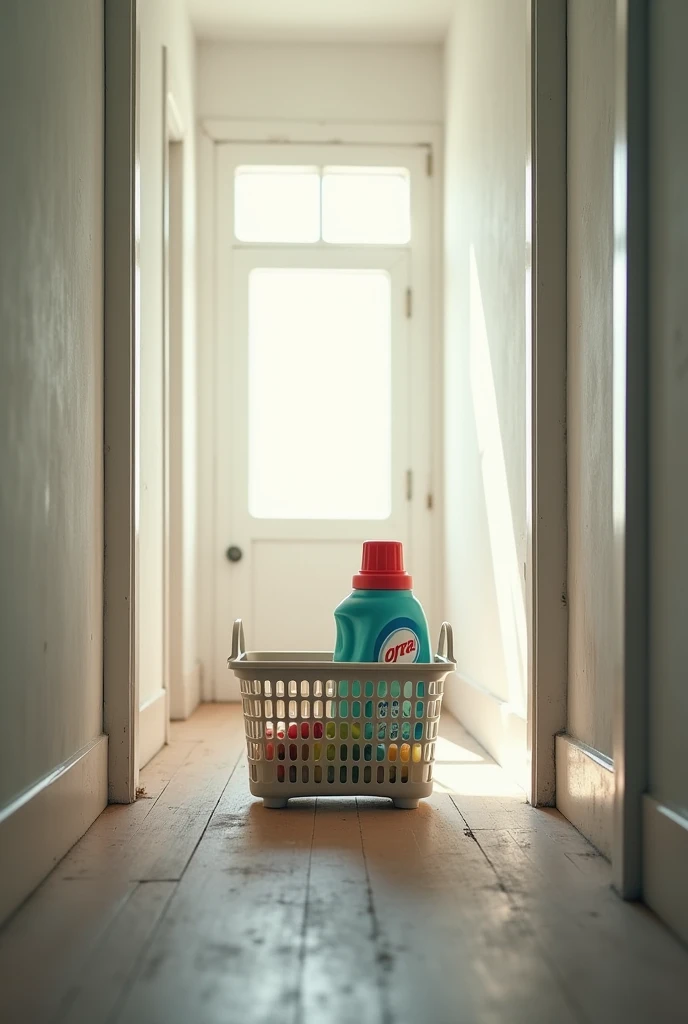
(234, 553)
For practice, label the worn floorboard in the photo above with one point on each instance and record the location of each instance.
(614, 959)
(446, 922)
(45, 945)
(98, 988)
(229, 947)
(342, 976)
(196, 905)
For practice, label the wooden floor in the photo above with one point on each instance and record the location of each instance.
(198, 905)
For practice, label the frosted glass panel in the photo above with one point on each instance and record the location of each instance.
(366, 204)
(320, 394)
(277, 204)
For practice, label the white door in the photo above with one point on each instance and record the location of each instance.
(318, 430)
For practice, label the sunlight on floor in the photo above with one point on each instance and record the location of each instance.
(463, 769)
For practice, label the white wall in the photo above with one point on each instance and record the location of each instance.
(53, 754)
(165, 23)
(320, 82)
(51, 383)
(485, 452)
(591, 31)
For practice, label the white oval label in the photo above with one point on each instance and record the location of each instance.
(400, 645)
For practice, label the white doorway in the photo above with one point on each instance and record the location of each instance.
(166, 589)
(324, 354)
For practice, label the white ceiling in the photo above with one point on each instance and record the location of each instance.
(386, 21)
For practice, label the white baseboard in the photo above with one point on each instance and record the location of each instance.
(153, 718)
(491, 721)
(585, 791)
(40, 826)
(665, 864)
(183, 704)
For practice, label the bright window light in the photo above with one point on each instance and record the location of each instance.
(366, 205)
(320, 394)
(277, 204)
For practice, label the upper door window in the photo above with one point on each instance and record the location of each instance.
(336, 205)
(366, 205)
(277, 204)
(320, 393)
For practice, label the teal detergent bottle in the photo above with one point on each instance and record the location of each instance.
(381, 620)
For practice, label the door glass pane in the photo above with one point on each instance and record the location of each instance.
(277, 204)
(320, 394)
(366, 204)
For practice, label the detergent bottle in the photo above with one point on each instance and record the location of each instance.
(381, 620)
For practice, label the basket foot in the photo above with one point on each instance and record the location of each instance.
(405, 805)
(274, 802)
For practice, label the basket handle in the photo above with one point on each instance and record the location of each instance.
(445, 645)
(238, 642)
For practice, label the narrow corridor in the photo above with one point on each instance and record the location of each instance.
(195, 905)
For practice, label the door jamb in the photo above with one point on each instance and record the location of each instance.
(121, 397)
(630, 431)
(173, 678)
(546, 552)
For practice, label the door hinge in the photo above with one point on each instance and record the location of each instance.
(429, 163)
(409, 484)
(409, 303)
(430, 501)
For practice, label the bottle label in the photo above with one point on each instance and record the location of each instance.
(398, 642)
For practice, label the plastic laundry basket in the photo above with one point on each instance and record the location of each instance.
(315, 727)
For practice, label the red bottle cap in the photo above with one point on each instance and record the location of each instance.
(382, 567)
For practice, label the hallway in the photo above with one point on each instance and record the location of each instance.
(278, 280)
(194, 904)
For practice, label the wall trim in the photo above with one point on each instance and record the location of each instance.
(630, 572)
(188, 700)
(585, 791)
(546, 332)
(174, 186)
(121, 398)
(153, 719)
(43, 823)
(494, 723)
(206, 556)
(665, 855)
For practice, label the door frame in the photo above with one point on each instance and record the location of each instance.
(545, 244)
(155, 713)
(547, 563)
(216, 133)
(121, 397)
(546, 84)
(172, 301)
(630, 434)
(630, 440)
(546, 381)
